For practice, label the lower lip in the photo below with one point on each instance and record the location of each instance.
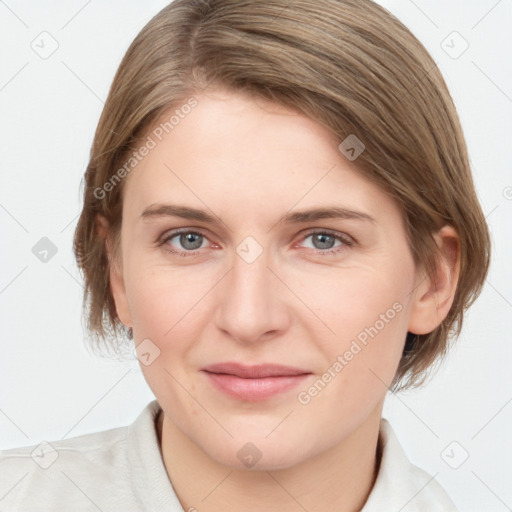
(254, 390)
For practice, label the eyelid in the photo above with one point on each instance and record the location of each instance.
(170, 233)
(345, 237)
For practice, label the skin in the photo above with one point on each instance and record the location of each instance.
(248, 162)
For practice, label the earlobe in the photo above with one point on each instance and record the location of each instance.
(435, 293)
(118, 289)
(116, 279)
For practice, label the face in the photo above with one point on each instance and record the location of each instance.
(260, 324)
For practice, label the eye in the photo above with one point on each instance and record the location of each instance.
(188, 242)
(324, 241)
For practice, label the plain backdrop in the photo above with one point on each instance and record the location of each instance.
(51, 387)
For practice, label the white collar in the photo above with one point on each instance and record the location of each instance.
(399, 486)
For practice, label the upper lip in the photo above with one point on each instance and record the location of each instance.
(254, 371)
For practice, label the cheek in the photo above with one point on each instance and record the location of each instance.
(365, 312)
(166, 309)
(163, 300)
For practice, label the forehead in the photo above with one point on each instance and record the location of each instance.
(233, 150)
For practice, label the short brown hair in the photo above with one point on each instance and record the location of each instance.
(348, 64)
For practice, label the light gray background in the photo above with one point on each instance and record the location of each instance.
(52, 387)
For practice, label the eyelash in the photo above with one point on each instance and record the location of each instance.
(347, 242)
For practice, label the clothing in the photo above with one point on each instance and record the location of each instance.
(122, 469)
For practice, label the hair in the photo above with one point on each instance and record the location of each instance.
(351, 66)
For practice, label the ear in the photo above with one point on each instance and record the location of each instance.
(434, 294)
(116, 279)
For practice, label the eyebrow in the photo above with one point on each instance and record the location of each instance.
(295, 217)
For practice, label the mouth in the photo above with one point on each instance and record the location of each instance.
(254, 383)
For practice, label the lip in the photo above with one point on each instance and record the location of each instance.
(256, 382)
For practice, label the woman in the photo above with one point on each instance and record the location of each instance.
(279, 215)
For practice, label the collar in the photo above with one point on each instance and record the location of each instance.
(399, 485)
(149, 477)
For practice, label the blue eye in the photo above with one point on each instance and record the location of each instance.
(323, 242)
(191, 242)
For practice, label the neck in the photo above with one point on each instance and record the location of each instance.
(338, 479)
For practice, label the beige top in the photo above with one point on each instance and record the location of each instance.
(122, 469)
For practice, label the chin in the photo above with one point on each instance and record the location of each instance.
(255, 454)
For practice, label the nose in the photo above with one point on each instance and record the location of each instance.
(253, 303)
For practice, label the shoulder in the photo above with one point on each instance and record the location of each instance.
(54, 473)
(86, 472)
(402, 485)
